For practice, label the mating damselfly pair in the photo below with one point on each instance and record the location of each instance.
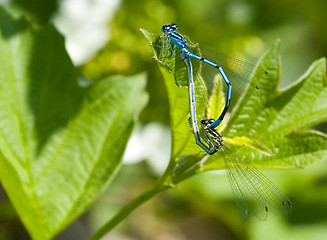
(252, 190)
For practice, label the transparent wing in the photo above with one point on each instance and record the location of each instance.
(239, 73)
(253, 192)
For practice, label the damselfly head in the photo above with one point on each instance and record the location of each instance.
(169, 27)
(207, 122)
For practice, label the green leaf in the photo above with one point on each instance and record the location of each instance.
(41, 11)
(278, 119)
(301, 105)
(268, 130)
(174, 72)
(61, 140)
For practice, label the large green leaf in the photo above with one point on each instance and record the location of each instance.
(278, 119)
(61, 140)
(269, 130)
(38, 10)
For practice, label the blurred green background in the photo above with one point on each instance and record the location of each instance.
(103, 38)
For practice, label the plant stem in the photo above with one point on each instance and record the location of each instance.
(126, 210)
(186, 174)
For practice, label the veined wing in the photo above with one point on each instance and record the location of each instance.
(253, 192)
(239, 73)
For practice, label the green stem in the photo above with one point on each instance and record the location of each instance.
(192, 171)
(126, 210)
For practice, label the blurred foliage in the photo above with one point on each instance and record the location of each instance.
(40, 10)
(238, 28)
